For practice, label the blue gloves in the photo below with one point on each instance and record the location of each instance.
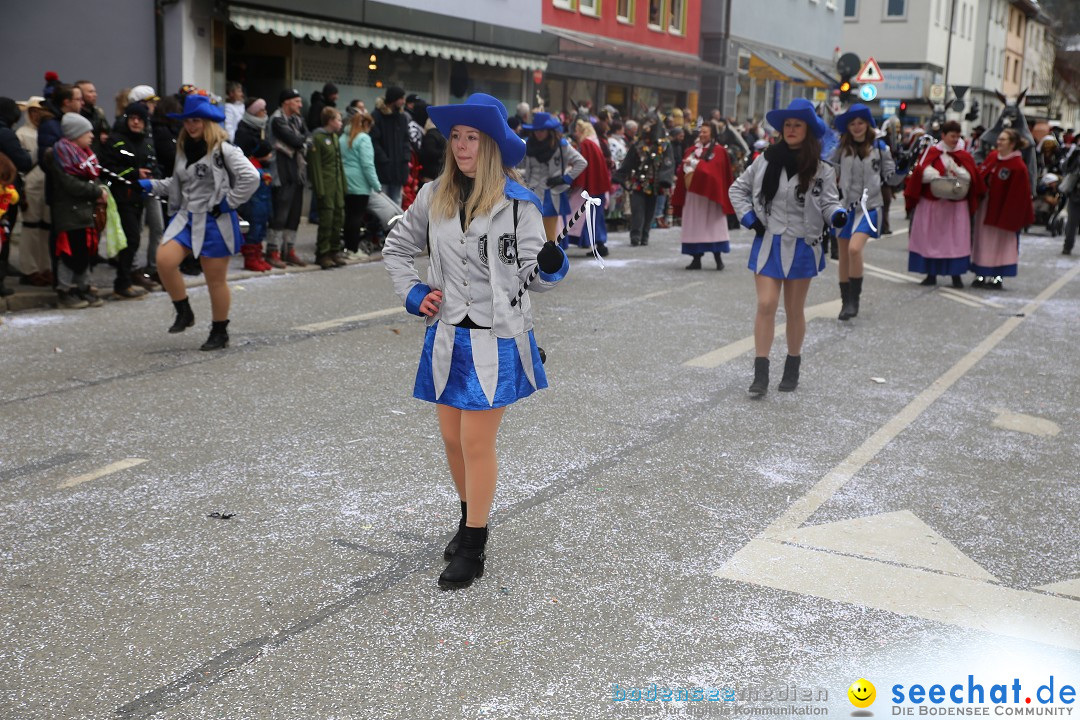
(146, 186)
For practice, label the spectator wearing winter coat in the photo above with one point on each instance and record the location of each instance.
(76, 190)
(129, 153)
(252, 127)
(319, 100)
(390, 138)
(34, 263)
(328, 186)
(288, 136)
(65, 99)
(234, 108)
(93, 113)
(258, 209)
(432, 152)
(361, 180)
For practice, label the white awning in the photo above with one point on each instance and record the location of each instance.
(334, 32)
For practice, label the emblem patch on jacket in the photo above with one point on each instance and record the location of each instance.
(481, 247)
(201, 171)
(819, 186)
(508, 248)
(1004, 173)
(219, 160)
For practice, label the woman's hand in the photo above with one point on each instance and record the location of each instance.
(430, 304)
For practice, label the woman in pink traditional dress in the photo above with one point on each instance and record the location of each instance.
(1007, 210)
(939, 241)
(704, 200)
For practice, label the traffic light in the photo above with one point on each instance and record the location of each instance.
(902, 110)
(973, 114)
(845, 89)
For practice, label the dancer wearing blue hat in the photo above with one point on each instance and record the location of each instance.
(211, 178)
(550, 165)
(485, 236)
(784, 196)
(863, 164)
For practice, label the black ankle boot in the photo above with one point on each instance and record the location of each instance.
(929, 280)
(760, 386)
(219, 336)
(185, 318)
(452, 546)
(856, 292)
(695, 264)
(719, 261)
(957, 282)
(845, 295)
(790, 381)
(468, 562)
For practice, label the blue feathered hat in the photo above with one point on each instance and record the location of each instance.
(543, 121)
(199, 106)
(858, 110)
(488, 115)
(800, 109)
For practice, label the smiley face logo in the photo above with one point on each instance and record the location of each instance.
(862, 693)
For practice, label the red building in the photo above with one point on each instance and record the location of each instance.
(632, 54)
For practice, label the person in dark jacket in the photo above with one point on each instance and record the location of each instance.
(432, 152)
(129, 153)
(252, 127)
(319, 100)
(64, 99)
(647, 171)
(390, 136)
(93, 113)
(289, 138)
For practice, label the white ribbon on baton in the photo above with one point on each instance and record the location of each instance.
(865, 212)
(591, 204)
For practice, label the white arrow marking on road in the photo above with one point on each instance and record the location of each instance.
(1066, 587)
(718, 357)
(330, 324)
(898, 537)
(102, 472)
(1025, 423)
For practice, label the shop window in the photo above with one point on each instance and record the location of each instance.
(677, 17)
(589, 7)
(624, 10)
(656, 14)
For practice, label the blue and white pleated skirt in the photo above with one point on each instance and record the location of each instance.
(214, 243)
(464, 389)
(857, 224)
(804, 265)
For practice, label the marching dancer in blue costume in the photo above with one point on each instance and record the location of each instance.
(863, 163)
(549, 167)
(485, 236)
(784, 196)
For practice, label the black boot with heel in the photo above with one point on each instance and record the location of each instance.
(760, 386)
(790, 381)
(452, 546)
(468, 562)
(219, 336)
(185, 318)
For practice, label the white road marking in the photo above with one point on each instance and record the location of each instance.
(330, 324)
(1066, 587)
(958, 298)
(890, 273)
(836, 478)
(898, 537)
(972, 298)
(102, 472)
(908, 591)
(718, 357)
(650, 296)
(1025, 423)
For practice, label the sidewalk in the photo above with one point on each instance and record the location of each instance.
(28, 297)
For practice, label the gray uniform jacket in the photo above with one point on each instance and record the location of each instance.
(792, 215)
(224, 174)
(488, 252)
(855, 173)
(565, 163)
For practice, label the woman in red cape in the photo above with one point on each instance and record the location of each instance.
(939, 240)
(705, 204)
(595, 180)
(1006, 211)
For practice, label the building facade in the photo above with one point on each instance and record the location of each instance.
(631, 54)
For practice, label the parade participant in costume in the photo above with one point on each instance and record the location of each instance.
(259, 209)
(595, 180)
(210, 179)
(647, 171)
(1004, 212)
(701, 191)
(784, 197)
(485, 237)
(549, 167)
(943, 191)
(74, 185)
(863, 165)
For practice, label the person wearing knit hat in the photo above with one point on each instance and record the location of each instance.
(485, 236)
(74, 126)
(319, 100)
(393, 147)
(129, 154)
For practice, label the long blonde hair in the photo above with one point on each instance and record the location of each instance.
(212, 133)
(584, 129)
(488, 190)
(360, 122)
